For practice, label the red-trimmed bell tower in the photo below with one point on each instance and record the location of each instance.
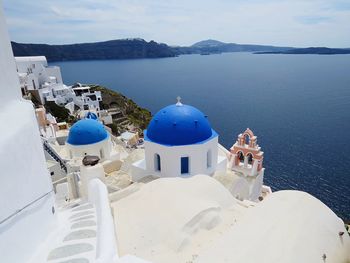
(246, 155)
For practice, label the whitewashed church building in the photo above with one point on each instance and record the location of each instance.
(179, 142)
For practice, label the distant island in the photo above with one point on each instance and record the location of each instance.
(211, 46)
(310, 50)
(139, 48)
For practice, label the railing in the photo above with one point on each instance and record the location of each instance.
(24, 207)
(55, 156)
(106, 249)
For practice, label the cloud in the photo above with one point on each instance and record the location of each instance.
(180, 22)
(339, 5)
(57, 11)
(311, 20)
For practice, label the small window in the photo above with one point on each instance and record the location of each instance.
(157, 163)
(240, 157)
(250, 158)
(247, 139)
(101, 154)
(52, 173)
(184, 165)
(209, 159)
(92, 97)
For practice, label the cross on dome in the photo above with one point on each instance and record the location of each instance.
(178, 103)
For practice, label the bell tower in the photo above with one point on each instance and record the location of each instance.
(246, 155)
(246, 160)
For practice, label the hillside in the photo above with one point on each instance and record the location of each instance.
(131, 115)
(114, 49)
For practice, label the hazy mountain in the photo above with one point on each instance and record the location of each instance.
(114, 49)
(208, 43)
(139, 48)
(214, 46)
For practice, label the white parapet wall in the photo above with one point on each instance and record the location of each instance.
(106, 250)
(88, 173)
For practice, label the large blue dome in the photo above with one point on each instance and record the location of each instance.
(179, 124)
(86, 131)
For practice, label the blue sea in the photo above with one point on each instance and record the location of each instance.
(297, 105)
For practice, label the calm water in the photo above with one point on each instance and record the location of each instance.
(297, 105)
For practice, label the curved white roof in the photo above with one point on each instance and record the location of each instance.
(288, 227)
(196, 219)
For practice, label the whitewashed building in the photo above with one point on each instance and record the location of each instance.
(179, 141)
(45, 83)
(35, 75)
(86, 99)
(89, 137)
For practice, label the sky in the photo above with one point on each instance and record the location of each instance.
(297, 23)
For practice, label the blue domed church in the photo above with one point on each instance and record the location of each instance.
(89, 137)
(179, 141)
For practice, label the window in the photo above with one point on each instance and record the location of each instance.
(92, 97)
(250, 158)
(23, 91)
(157, 162)
(240, 157)
(101, 154)
(184, 165)
(209, 159)
(247, 139)
(52, 173)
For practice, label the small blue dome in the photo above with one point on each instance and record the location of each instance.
(86, 131)
(91, 115)
(179, 124)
